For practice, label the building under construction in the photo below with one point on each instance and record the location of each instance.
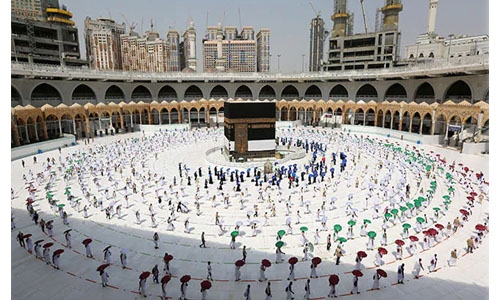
(367, 50)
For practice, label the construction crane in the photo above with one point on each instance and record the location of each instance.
(130, 25)
(317, 13)
(364, 14)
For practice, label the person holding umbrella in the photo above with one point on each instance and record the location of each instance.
(107, 255)
(55, 258)
(29, 243)
(333, 280)
(46, 254)
(142, 285)
(355, 284)
(67, 236)
(88, 250)
(164, 282)
(376, 281)
(401, 273)
(291, 276)
(237, 272)
(155, 273)
(123, 258)
(104, 277)
(205, 285)
(37, 249)
(49, 227)
(183, 290)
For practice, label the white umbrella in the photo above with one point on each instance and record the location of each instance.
(124, 250)
(249, 212)
(239, 223)
(334, 199)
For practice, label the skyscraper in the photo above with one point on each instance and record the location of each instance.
(188, 55)
(263, 50)
(173, 46)
(102, 42)
(316, 42)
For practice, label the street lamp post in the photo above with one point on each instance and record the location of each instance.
(303, 55)
(279, 55)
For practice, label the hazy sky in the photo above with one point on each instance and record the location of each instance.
(289, 20)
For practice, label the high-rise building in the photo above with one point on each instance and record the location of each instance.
(316, 44)
(174, 55)
(263, 50)
(144, 54)
(369, 50)
(187, 49)
(102, 42)
(227, 51)
(43, 32)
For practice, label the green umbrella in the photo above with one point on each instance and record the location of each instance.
(234, 233)
(428, 168)
(451, 189)
(433, 183)
(430, 191)
(447, 197)
(279, 244)
(372, 234)
(409, 205)
(367, 221)
(420, 199)
(418, 203)
(50, 196)
(281, 233)
(448, 175)
(436, 208)
(406, 226)
(60, 205)
(403, 209)
(351, 223)
(420, 220)
(337, 228)
(388, 215)
(303, 228)
(446, 202)
(342, 239)
(68, 187)
(67, 192)
(394, 211)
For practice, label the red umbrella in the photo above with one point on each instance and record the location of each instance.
(357, 273)
(58, 251)
(316, 260)
(166, 278)
(144, 275)
(29, 201)
(399, 242)
(470, 198)
(239, 263)
(86, 241)
(413, 238)
(26, 236)
(362, 254)
(39, 241)
(432, 231)
(169, 257)
(439, 226)
(464, 212)
(381, 273)
(49, 244)
(102, 267)
(293, 260)
(205, 284)
(185, 278)
(334, 279)
(473, 194)
(266, 263)
(466, 169)
(382, 250)
(480, 227)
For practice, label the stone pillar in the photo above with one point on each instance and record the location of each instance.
(87, 126)
(446, 133)
(433, 126)
(122, 125)
(479, 127)
(198, 117)
(74, 128)
(288, 114)
(149, 118)
(169, 118)
(159, 117)
(411, 124)
(392, 121)
(421, 126)
(140, 118)
(364, 118)
(60, 128)
(36, 132)
(179, 116)
(27, 134)
(17, 142)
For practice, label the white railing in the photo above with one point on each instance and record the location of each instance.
(436, 66)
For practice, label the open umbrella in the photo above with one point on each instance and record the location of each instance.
(166, 278)
(436, 208)
(58, 251)
(473, 194)
(86, 241)
(406, 226)
(281, 233)
(357, 273)
(293, 260)
(66, 231)
(394, 211)
(439, 226)
(382, 250)
(185, 278)
(169, 257)
(205, 284)
(239, 263)
(351, 223)
(333, 279)
(29, 201)
(372, 234)
(413, 238)
(420, 220)
(342, 239)
(61, 205)
(388, 215)
(266, 263)
(480, 227)
(367, 221)
(279, 244)
(26, 236)
(39, 241)
(234, 233)
(421, 199)
(403, 208)
(432, 231)
(381, 273)
(433, 183)
(316, 260)
(409, 205)
(303, 228)
(464, 212)
(362, 254)
(144, 275)
(47, 245)
(447, 197)
(337, 228)
(104, 250)
(102, 267)
(399, 242)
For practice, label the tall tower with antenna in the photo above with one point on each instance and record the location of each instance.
(316, 41)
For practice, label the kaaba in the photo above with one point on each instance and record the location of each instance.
(250, 129)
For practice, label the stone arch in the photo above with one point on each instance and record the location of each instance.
(369, 117)
(405, 125)
(15, 97)
(218, 92)
(243, 92)
(83, 94)
(367, 92)
(141, 93)
(458, 92)
(396, 117)
(440, 125)
(290, 92)
(45, 93)
(427, 123)
(167, 93)
(425, 93)
(396, 92)
(52, 125)
(193, 92)
(174, 115)
(359, 116)
(114, 94)
(416, 119)
(313, 92)
(267, 92)
(338, 92)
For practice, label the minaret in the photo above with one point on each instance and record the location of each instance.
(391, 14)
(433, 4)
(340, 18)
(190, 42)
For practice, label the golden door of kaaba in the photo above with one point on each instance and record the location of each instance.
(241, 138)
